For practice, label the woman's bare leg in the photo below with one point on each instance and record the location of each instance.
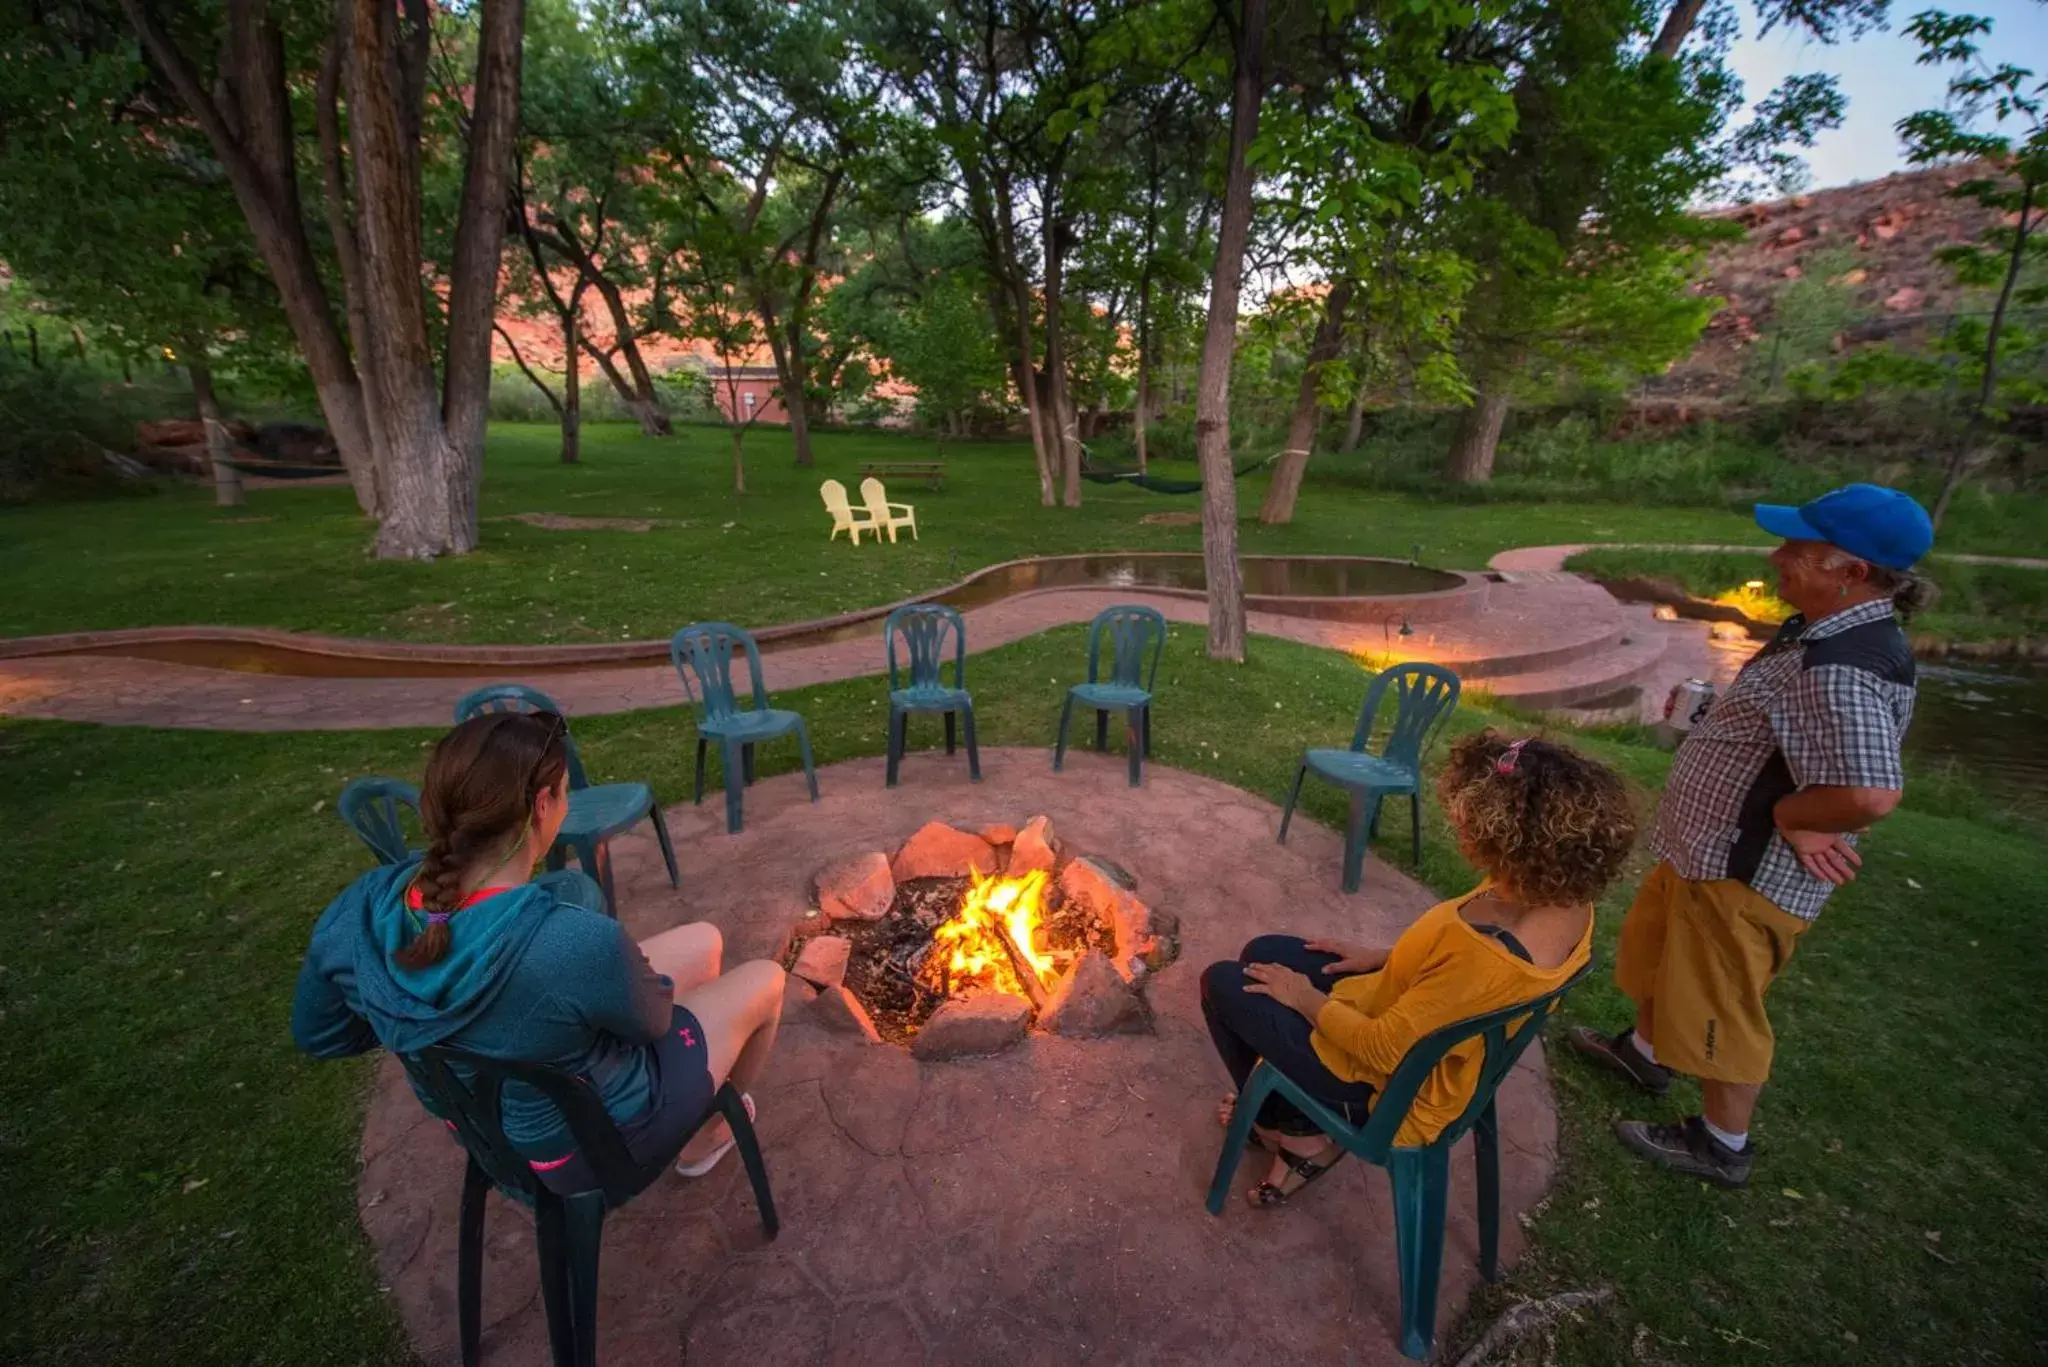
(739, 1014)
(689, 954)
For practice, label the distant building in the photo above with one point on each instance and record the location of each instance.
(749, 389)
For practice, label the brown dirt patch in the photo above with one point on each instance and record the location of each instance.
(563, 522)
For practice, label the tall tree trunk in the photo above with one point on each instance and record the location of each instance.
(1219, 341)
(1960, 463)
(411, 438)
(1138, 415)
(255, 149)
(739, 460)
(1025, 377)
(1677, 24)
(1308, 409)
(789, 375)
(796, 399)
(795, 403)
(1064, 437)
(1354, 422)
(1478, 436)
(572, 384)
(227, 481)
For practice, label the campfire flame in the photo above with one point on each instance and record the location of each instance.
(970, 948)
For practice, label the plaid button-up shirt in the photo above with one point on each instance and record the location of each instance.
(1825, 704)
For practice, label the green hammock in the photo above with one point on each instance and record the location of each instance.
(281, 469)
(1092, 469)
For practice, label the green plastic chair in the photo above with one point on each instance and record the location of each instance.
(1420, 1174)
(597, 811)
(924, 628)
(706, 649)
(372, 808)
(466, 1090)
(1131, 631)
(1426, 696)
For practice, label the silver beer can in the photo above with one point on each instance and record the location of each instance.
(1688, 704)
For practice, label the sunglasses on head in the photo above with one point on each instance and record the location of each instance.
(558, 728)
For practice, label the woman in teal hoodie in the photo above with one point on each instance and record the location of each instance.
(466, 948)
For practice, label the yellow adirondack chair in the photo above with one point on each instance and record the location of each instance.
(845, 517)
(887, 515)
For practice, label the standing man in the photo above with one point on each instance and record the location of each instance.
(1759, 820)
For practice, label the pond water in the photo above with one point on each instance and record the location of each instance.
(1991, 719)
(1265, 576)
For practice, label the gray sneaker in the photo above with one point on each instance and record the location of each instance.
(1618, 1054)
(1687, 1147)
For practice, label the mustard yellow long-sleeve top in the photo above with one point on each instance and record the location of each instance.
(1440, 971)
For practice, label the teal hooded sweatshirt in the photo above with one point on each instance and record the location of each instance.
(538, 973)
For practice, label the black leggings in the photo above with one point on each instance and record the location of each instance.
(1249, 1026)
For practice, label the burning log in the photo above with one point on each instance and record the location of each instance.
(1020, 960)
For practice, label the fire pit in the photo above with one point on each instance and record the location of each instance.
(963, 942)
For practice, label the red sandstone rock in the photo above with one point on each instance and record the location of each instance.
(858, 890)
(1036, 847)
(840, 1011)
(1142, 933)
(1905, 300)
(941, 851)
(1086, 882)
(999, 834)
(1093, 999)
(186, 432)
(984, 1024)
(1790, 236)
(822, 960)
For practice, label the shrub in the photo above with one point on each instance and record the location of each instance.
(57, 419)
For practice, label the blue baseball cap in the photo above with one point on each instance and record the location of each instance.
(1884, 526)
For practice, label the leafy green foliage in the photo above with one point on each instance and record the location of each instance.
(117, 216)
(1996, 111)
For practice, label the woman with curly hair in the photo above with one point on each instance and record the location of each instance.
(466, 948)
(1550, 828)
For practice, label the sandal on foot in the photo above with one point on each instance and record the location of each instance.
(1266, 1196)
(717, 1155)
(1252, 1136)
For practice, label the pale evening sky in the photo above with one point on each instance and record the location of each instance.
(1880, 78)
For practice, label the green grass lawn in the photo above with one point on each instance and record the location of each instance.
(180, 1180)
(1978, 602)
(296, 558)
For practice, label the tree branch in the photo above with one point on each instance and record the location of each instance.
(525, 369)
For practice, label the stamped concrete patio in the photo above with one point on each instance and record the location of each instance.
(1041, 1206)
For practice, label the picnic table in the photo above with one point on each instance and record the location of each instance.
(932, 472)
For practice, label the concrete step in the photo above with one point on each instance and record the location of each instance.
(1633, 659)
(1528, 627)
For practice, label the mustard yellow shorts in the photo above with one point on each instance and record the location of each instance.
(1696, 959)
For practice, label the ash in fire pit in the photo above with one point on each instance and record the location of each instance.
(963, 941)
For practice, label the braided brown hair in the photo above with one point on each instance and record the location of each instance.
(477, 802)
(1552, 826)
